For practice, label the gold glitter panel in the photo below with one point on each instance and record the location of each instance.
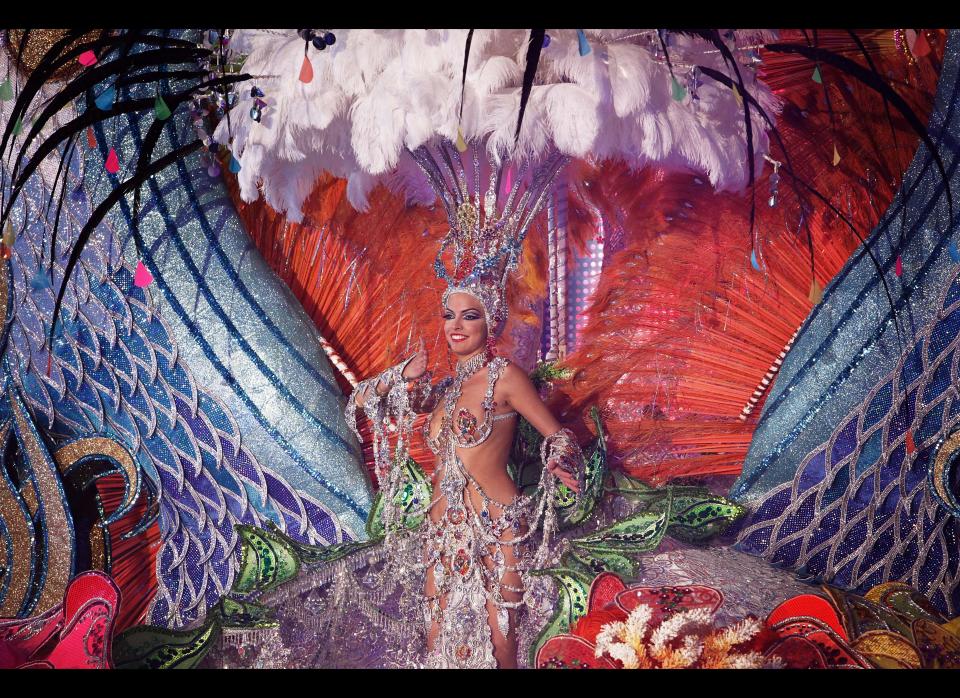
(57, 521)
(98, 547)
(948, 448)
(888, 650)
(20, 529)
(39, 42)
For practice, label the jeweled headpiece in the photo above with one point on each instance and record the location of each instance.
(486, 234)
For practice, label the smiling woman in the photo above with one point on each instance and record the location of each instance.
(476, 547)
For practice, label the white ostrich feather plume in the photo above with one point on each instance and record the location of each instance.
(378, 93)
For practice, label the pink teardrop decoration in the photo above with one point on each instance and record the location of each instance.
(509, 180)
(306, 71)
(899, 269)
(87, 58)
(113, 162)
(142, 277)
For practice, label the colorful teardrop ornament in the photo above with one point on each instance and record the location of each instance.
(816, 292)
(677, 90)
(142, 276)
(583, 43)
(306, 71)
(113, 162)
(106, 99)
(160, 109)
(954, 251)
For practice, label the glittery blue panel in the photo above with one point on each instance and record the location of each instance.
(207, 375)
(848, 343)
(870, 517)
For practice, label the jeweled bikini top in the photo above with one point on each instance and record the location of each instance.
(468, 433)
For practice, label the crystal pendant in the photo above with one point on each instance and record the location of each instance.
(503, 620)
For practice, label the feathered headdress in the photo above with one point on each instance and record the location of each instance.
(487, 229)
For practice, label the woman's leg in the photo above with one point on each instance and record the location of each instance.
(505, 646)
(510, 587)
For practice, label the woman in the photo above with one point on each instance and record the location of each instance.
(476, 537)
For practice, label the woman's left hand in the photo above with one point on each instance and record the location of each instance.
(566, 477)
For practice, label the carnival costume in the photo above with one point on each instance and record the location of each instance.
(470, 551)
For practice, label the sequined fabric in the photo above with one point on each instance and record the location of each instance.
(840, 466)
(860, 510)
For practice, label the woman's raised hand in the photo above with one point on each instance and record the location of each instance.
(362, 395)
(418, 364)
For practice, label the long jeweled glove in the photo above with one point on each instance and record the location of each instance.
(385, 411)
(563, 448)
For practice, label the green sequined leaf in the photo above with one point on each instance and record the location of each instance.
(635, 534)
(414, 494)
(574, 591)
(525, 463)
(695, 518)
(245, 614)
(266, 560)
(546, 372)
(606, 561)
(374, 527)
(696, 514)
(315, 554)
(149, 647)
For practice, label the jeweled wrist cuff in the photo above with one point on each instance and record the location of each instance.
(563, 448)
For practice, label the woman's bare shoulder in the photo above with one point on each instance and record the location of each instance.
(514, 376)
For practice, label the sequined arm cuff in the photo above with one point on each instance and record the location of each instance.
(563, 448)
(375, 405)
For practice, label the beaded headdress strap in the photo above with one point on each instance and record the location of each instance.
(486, 232)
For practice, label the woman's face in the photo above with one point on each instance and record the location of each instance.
(464, 324)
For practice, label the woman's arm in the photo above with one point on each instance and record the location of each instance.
(522, 396)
